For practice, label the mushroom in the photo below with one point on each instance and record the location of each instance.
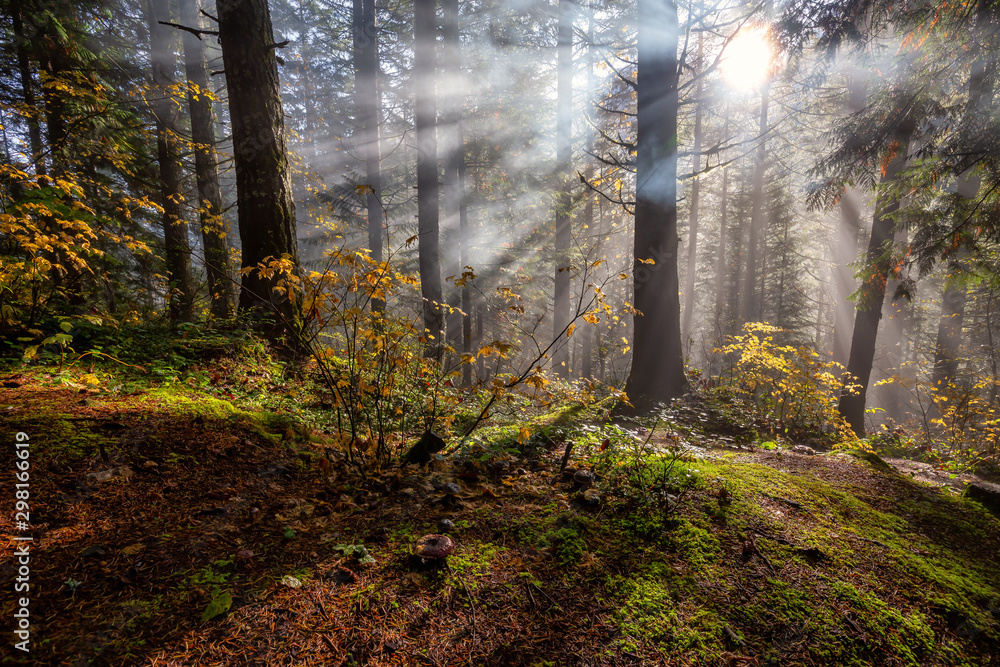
(583, 478)
(433, 548)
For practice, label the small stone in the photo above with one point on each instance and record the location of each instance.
(445, 526)
(804, 449)
(452, 489)
(590, 498)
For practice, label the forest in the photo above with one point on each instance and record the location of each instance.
(537, 332)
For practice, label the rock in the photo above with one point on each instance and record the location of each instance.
(590, 498)
(803, 449)
(104, 475)
(95, 550)
(445, 526)
(583, 478)
(986, 493)
(452, 489)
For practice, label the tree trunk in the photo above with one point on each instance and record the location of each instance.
(692, 258)
(28, 92)
(657, 372)
(720, 261)
(949, 337)
(263, 187)
(564, 154)
(214, 230)
(454, 175)
(366, 73)
(872, 297)
(587, 367)
(424, 38)
(176, 244)
(750, 304)
(847, 237)
(846, 251)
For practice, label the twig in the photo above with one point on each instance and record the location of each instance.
(565, 458)
(321, 608)
(472, 603)
(865, 539)
(197, 32)
(763, 557)
(547, 596)
(329, 643)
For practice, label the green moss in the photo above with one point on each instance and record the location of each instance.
(645, 607)
(908, 634)
(183, 402)
(473, 559)
(566, 542)
(58, 437)
(696, 545)
(656, 605)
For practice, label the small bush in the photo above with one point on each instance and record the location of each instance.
(791, 388)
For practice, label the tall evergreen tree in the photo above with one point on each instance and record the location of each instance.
(428, 205)
(263, 185)
(657, 372)
(214, 230)
(175, 228)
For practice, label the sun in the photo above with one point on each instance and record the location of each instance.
(746, 60)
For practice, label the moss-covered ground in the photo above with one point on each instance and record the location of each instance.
(221, 539)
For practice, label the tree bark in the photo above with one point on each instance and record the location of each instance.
(846, 251)
(366, 73)
(177, 246)
(454, 173)
(587, 366)
(564, 153)
(28, 93)
(424, 37)
(214, 229)
(949, 337)
(692, 258)
(657, 372)
(720, 261)
(749, 303)
(263, 186)
(846, 239)
(872, 293)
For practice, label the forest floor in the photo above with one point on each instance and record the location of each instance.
(172, 527)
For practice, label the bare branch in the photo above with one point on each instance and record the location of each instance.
(197, 32)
